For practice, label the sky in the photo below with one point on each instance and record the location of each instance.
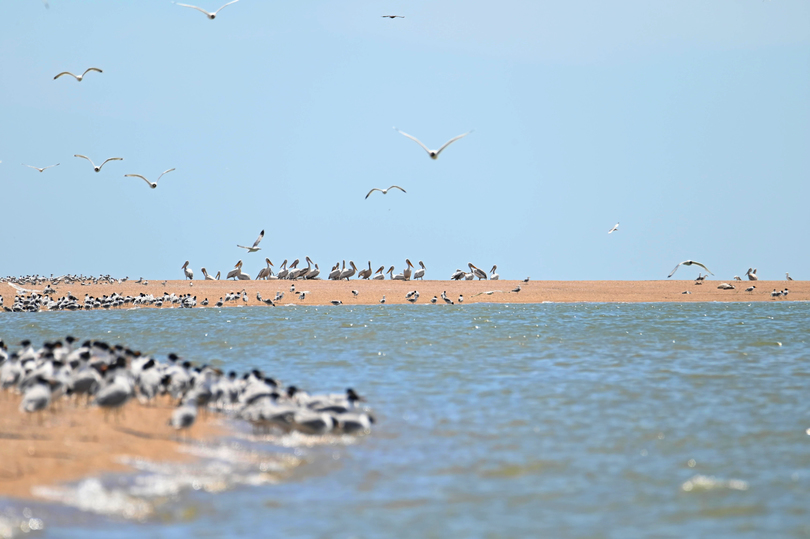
(688, 122)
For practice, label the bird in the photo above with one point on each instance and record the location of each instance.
(788, 277)
(187, 270)
(477, 272)
(151, 184)
(98, 167)
(385, 191)
(750, 288)
(752, 275)
(336, 302)
(688, 263)
(516, 289)
(460, 298)
(207, 277)
(382, 300)
(526, 280)
(434, 154)
(614, 229)
(41, 169)
(393, 16)
(183, 416)
(78, 77)
(255, 244)
(420, 273)
(210, 15)
(494, 276)
(355, 293)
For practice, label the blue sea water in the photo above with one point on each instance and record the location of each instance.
(552, 420)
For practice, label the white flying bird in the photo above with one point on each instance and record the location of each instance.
(688, 263)
(393, 16)
(385, 191)
(98, 167)
(255, 244)
(210, 15)
(78, 77)
(434, 154)
(614, 229)
(41, 169)
(151, 184)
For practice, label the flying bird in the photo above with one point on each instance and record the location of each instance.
(434, 154)
(614, 229)
(393, 16)
(41, 169)
(78, 77)
(151, 184)
(210, 15)
(98, 167)
(255, 244)
(385, 191)
(688, 263)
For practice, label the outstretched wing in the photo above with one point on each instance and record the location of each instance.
(397, 187)
(89, 69)
(702, 266)
(138, 176)
(85, 157)
(66, 73)
(110, 159)
(417, 140)
(226, 5)
(164, 172)
(255, 243)
(197, 8)
(243, 247)
(375, 189)
(673, 271)
(452, 140)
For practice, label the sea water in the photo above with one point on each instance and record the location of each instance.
(552, 420)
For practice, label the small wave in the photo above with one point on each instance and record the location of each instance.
(706, 483)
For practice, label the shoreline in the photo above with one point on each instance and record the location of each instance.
(322, 292)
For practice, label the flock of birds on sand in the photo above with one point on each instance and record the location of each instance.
(96, 375)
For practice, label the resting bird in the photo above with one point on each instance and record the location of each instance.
(688, 263)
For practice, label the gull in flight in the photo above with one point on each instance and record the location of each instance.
(614, 229)
(385, 191)
(255, 244)
(393, 16)
(151, 184)
(78, 77)
(98, 167)
(41, 169)
(434, 154)
(210, 15)
(688, 263)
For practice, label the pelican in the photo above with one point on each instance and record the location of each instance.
(98, 167)
(457, 275)
(335, 273)
(393, 16)
(265, 272)
(788, 277)
(434, 154)
(688, 263)
(78, 77)
(379, 275)
(752, 275)
(234, 273)
(614, 229)
(255, 244)
(407, 271)
(420, 273)
(207, 277)
(282, 270)
(151, 184)
(187, 270)
(210, 15)
(312, 273)
(348, 272)
(41, 169)
(476, 271)
(365, 273)
(494, 276)
(385, 191)
(397, 277)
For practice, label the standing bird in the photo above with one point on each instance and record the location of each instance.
(348, 272)
(385, 191)
(788, 277)
(752, 275)
(688, 263)
(614, 229)
(78, 77)
(187, 270)
(41, 169)
(494, 276)
(434, 154)
(750, 288)
(407, 271)
(420, 273)
(460, 298)
(151, 184)
(183, 416)
(477, 272)
(336, 302)
(210, 15)
(255, 244)
(383, 299)
(98, 167)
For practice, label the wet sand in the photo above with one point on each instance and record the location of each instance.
(322, 292)
(76, 442)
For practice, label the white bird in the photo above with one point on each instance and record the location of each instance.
(614, 229)
(494, 276)
(688, 263)
(210, 15)
(750, 288)
(434, 154)
(407, 271)
(336, 302)
(78, 77)
(788, 277)
(420, 273)
(385, 191)
(348, 272)
(151, 184)
(255, 244)
(752, 275)
(393, 16)
(379, 275)
(265, 272)
(207, 277)
(98, 167)
(383, 299)
(187, 270)
(183, 416)
(41, 169)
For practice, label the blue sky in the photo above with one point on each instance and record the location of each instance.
(686, 121)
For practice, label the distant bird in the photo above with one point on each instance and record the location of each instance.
(434, 299)
(255, 244)
(460, 298)
(494, 276)
(752, 275)
(686, 292)
(183, 416)
(98, 167)
(79, 77)
(393, 16)
(41, 169)
(210, 15)
(151, 184)
(385, 191)
(382, 300)
(726, 286)
(356, 293)
(434, 154)
(526, 280)
(420, 273)
(614, 229)
(516, 289)
(187, 270)
(788, 277)
(688, 263)
(750, 288)
(737, 278)
(336, 302)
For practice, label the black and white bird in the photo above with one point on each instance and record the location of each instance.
(434, 154)
(98, 167)
(209, 14)
(382, 300)
(750, 288)
(614, 229)
(393, 16)
(78, 77)
(385, 191)
(153, 185)
(336, 302)
(255, 246)
(688, 263)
